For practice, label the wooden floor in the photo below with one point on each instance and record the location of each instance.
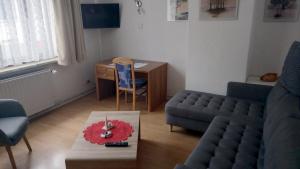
(52, 135)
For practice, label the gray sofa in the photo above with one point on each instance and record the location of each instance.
(253, 127)
(196, 110)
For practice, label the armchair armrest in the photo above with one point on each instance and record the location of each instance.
(247, 91)
(11, 108)
(180, 166)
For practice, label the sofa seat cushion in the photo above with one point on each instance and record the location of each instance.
(14, 128)
(228, 144)
(204, 106)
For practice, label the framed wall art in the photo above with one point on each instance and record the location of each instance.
(178, 10)
(219, 9)
(281, 10)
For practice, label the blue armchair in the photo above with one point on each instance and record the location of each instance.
(13, 124)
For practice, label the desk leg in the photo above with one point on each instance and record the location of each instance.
(149, 92)
(157, 87)
(105, 88)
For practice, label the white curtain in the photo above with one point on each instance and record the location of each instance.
(26, 31)
(69, 31)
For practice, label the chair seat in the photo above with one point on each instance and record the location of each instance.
(140, 83)
(14, 128)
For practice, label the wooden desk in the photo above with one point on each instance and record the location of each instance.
(154, 72)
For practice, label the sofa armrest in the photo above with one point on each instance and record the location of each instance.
(181, 166)
(247, 91)
(11, 108)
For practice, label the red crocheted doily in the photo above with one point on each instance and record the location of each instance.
(120, 132)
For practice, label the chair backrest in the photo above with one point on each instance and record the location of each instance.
(11, 108)
(124, 72)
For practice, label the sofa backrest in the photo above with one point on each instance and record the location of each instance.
(283, 148)
(280, 104)
(281, 133)
(281, 136)
(290, 77)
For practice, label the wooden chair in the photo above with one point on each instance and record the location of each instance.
(126, 81)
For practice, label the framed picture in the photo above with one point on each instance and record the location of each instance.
(281, 10)
(219, 9)
(178, 10)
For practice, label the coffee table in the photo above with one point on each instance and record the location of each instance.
(85, 155)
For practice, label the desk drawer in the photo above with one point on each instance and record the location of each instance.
(105, 73)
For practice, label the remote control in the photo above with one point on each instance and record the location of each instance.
(116, 144)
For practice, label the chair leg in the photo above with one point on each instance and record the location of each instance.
(126, 96)
(118, 100)
(133, 100)
(171, 128)
(147, 95)
(27, 143)
(11, 157)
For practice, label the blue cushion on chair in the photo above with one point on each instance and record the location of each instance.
(14, 128)
(125, 79)
(290, 77)
(124, 74)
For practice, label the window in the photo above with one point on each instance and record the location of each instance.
(26, 32)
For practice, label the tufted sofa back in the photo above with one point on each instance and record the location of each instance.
(281, 133)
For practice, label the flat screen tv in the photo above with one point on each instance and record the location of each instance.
(100, 16)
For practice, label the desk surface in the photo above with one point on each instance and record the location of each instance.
(145, 69)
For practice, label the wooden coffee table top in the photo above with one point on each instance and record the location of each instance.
(83, 150)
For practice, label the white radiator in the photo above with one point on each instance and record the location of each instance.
(33, 90)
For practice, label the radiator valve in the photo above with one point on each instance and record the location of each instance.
(53, 71)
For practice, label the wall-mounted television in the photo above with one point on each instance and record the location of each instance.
(100, 15)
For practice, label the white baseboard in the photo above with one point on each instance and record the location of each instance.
(37, 115)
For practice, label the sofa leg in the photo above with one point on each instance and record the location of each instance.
(11, 157)
(27, 143)
(171, 128)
